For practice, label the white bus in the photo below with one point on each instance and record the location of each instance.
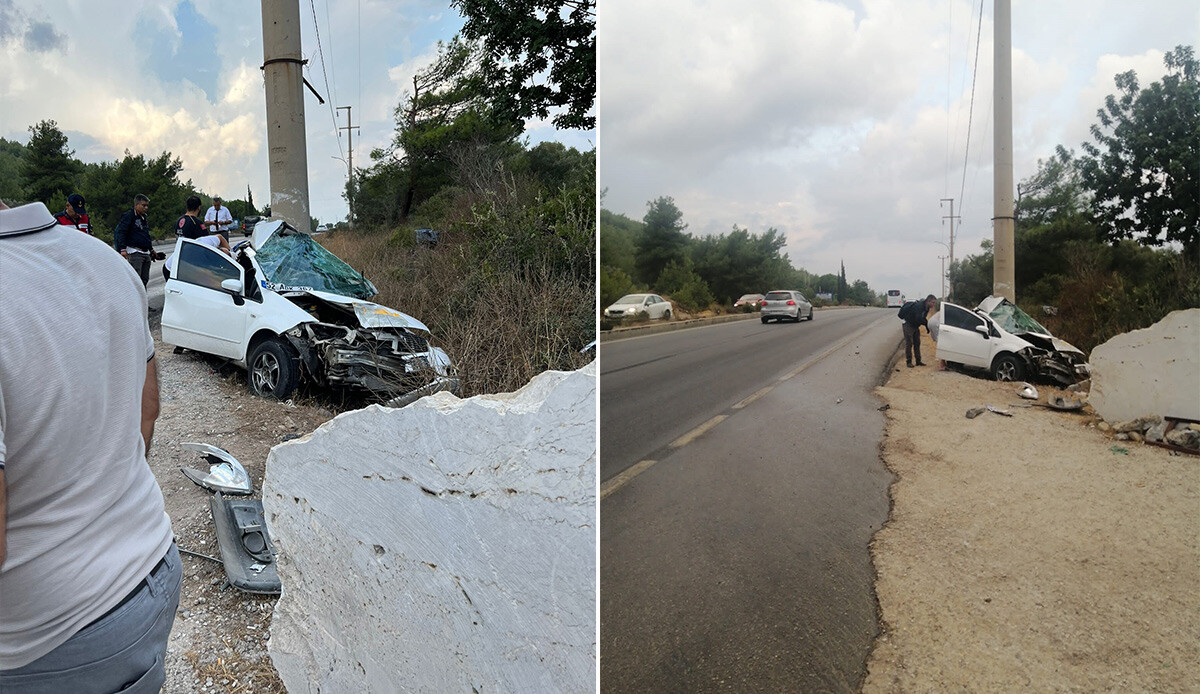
(894, 298)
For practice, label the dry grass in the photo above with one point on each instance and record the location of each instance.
(501, 326)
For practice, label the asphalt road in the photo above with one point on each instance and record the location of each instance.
(741, 485)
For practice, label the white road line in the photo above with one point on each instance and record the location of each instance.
(626, 475)
(698, 431)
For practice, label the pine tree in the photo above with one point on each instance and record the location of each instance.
(49, 165)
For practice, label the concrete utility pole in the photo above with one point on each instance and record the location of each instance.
(951, 217)
(350, 128)
(943, 294)
(283, 72)
(1004, 281)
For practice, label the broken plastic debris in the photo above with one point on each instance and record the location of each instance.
(1028, 392)
(226, 474)
(1060, 402)
(999, 411)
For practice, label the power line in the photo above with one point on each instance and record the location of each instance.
(324, 74)
(971, 110)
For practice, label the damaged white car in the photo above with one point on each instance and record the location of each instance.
(286, 309)
(1003, 339)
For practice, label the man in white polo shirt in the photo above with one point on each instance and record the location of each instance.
(220, 219)
(89, 571)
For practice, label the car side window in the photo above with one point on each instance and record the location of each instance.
(959, 318)
(205, 267)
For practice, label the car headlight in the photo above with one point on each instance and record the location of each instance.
(632, 309)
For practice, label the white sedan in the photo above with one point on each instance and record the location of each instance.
(286, 309)
(1007, 342)
(651, 306)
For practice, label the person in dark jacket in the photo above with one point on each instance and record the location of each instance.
(132, 238)
(914, 314)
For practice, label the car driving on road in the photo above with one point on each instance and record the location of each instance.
(749, 301)
(1008, 343)
(651, 306)
(286, 310)
(786, 303)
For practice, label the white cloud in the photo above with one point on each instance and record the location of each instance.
(843, 125)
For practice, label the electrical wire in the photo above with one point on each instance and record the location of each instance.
(971, 110)
(325, 75)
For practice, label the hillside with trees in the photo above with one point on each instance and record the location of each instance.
(698, 272)
(1110, 239)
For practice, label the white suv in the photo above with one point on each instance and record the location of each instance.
(284, 308)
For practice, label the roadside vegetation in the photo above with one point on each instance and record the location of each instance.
(707, 272)
(1109, 240)
(508, 290)
(46, 170)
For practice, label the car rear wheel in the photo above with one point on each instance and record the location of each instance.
(667, 314)
(1008, 368)
(764, 320)
(810, 313)
(274, 369)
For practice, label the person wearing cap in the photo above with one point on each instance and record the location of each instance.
(132, 238)
(75, 215)
(89, 570)
(914, 314)
(219, 218)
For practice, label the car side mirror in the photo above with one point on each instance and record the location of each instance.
(981, 329)
(234, 287)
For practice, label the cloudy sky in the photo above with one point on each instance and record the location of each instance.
(842, 124)
(183, 76)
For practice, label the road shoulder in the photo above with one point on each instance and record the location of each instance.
(1032, 551)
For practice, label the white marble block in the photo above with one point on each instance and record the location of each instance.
(448, 546)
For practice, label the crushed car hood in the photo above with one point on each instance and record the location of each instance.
(370, 314)
(1017, 322)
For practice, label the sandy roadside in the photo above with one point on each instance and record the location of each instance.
(1028, 552)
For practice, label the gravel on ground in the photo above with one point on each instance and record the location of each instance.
(1031, 552)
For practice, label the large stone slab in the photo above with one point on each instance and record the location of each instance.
(449, 546)
(1155, 371)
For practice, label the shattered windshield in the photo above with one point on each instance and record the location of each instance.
(296, 260)
(1014, 320)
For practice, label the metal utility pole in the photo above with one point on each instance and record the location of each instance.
(283, 73)
(951, 217)
(350, 153)
(1004, 281)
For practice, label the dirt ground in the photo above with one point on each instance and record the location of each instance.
(219, 640)
(1032, 552)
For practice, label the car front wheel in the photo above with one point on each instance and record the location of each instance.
(274, 369)
(1008, 368)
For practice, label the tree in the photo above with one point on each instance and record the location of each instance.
(841, 288)
(680, 281)
(12, 157)
(662, 239)
(528, 40)
(1144, 167)
(449, 110)
(49, 165)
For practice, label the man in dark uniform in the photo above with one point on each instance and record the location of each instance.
(189, 225)
(75, 215)
(132, 238)
(914, 314)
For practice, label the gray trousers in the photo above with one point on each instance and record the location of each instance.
(123, 651)
(141, 265)
(912, 342)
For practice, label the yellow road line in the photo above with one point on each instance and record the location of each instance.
(626, 475)
(752, 398)
(698, 431)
